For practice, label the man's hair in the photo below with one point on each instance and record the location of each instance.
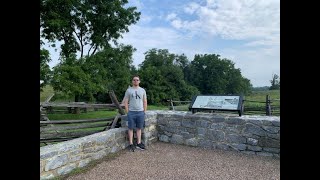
(135, 76)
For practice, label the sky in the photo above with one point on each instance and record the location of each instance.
(247, 32)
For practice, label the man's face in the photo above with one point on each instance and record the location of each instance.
(135, 81)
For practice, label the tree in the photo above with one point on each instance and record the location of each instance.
(78, 23)
(162, 76)
(88, 25)
(91, 77)
(45, 72)
(213, 75)
(275, 83)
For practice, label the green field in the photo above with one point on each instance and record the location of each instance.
(259, 96)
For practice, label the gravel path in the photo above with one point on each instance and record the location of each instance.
(170, 161)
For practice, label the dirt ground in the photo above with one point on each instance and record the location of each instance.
(170, 161)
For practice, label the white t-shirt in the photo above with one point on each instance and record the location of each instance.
(135, 98)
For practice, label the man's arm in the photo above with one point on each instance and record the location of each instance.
(145, 103)
(125, 102)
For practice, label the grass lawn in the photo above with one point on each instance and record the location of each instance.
(88, 115)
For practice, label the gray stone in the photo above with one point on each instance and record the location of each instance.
(167, 133)
(66, 169)
(88, 150)
(162, 121)
(272, 150)
(75, 152)
(100, 154)
(114, 149)
(254, 148)
(268, 142)
(187, 135)
(164, 138)
(201, 131)
(217, 126)
(252, 141)
(188, 123)
(276, 155)
(46, 176)
(75, 158)
(202, 123)
(266, 123)
(88, 155)
(222, 146)
(84, 162)
(253, 129)
(249, 152)
(41, 166)
(190, 130)
(47, 154)
(205, 143)
(236, 121)
(233, 129)
(177, 139)
(174, 123)
(264, 154)
(171, 129)
(234, 138)
(216, 135)
(192, 142)
(88, 144)
(271, 129)
(56, 162)
(255, 121)
(217, 119)
(276, 123)
(65, 147)
(240, 147)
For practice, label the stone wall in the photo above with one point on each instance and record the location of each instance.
(61, 158)
(249, 134)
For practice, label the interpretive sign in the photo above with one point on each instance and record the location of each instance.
(217, 102)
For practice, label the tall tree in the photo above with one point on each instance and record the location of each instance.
(162, 75)
(78, 23)
(87, 27)
(275, 82)
(213, 75)
(45, 72)
(91, 77)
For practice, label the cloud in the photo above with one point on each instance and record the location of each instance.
(244, 31)
(146, 38)
(232, 19)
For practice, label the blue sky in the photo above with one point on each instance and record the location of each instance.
(245, 31)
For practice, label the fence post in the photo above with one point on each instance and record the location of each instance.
(172, 104)
(268, 108)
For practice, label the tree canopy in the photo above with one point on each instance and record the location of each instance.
(275, 82)
(213, 75)
(90, 28)
(78, 23)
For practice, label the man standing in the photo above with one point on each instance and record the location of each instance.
(135, 102)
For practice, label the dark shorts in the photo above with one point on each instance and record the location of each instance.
(135, 119)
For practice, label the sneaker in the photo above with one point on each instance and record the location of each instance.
(141, 146)
(131, 147)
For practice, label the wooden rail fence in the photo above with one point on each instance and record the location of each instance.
(62, 130)
(269, 107)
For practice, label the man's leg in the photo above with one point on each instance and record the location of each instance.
(140, 123)
(130, 133)
(138, 135)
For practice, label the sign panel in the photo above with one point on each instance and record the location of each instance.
(217, 102)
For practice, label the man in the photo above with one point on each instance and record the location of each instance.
(135, 102)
